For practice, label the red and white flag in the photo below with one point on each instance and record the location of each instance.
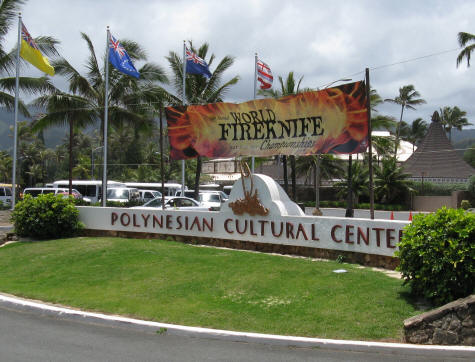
(264, 74)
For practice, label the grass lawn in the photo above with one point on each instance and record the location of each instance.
(178, 283)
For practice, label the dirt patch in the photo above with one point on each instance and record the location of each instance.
(5, 217)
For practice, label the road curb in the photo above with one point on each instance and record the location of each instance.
(290, 341)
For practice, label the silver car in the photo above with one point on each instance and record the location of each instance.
(175, 203)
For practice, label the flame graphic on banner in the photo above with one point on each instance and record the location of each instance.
(332, 120)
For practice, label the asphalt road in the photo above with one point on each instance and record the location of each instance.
(35, 335)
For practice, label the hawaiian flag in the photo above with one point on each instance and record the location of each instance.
(196, 65)
(264, 74)
(120, 59)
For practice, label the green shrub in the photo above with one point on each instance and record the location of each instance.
(471, 186)
(46, 216)
(434, 189)
(465, 204)
(437, 255)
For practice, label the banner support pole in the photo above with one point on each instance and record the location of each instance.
(370, 145)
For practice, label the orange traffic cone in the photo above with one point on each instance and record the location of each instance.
(410, 215)
(392, 216)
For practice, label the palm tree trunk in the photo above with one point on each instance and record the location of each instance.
(71, 136)
(293, 178)
(398, 130)
(286, 179)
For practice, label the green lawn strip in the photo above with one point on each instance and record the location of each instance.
(216, 288)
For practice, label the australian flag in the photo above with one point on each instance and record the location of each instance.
(120, 59)
(196, 65)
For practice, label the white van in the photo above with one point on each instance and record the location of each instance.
(92, 189)
(6, 194)
(122, 194)
(35, 191)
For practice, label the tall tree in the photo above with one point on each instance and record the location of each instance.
(418, 132)
(199, 89)
(288, 87)
(467, 41)
(9, 16)
(453, 117)
(359, 182)
(391, 182)
(408, 98)
(85, 101)
(323, 167)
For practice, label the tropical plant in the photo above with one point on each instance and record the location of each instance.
(84, 105)
(322, 167)
(359, 182)
(467, 41)
(469, 155)
(8, 16)
(453, 117)
(199, 89)
(408, 98)
(375, 99)
(287, 87)
(5, 166)
(417, 133)
(391, 182)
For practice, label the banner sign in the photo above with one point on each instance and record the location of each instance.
(333, 120)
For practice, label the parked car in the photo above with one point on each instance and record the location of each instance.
(188, 193)
(147, 195)
(175, 203)
(5, 194)
(122, 194)
(35, 191)
(211, 199)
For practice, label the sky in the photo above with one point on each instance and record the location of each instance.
(401, 42)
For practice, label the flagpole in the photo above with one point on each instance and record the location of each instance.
(104, 173)
(183, 102)
(255, 81)
(15, 124)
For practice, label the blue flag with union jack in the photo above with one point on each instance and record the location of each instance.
(196, 65)
(120, 59)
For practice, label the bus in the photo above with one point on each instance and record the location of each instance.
(170, 187)
(92, 189)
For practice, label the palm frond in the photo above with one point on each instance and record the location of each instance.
(8, 14)
(8, 101)
(28, 84)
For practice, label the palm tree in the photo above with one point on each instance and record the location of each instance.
(200, 90)
(289, 87)
(418, 132)
(375, 99)
(5, 166)
(359, 182)
(322, 166)
(453, 117)
(391, 183)
(8, 16)
(408, 98)
(85, 102)
(464, 39)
